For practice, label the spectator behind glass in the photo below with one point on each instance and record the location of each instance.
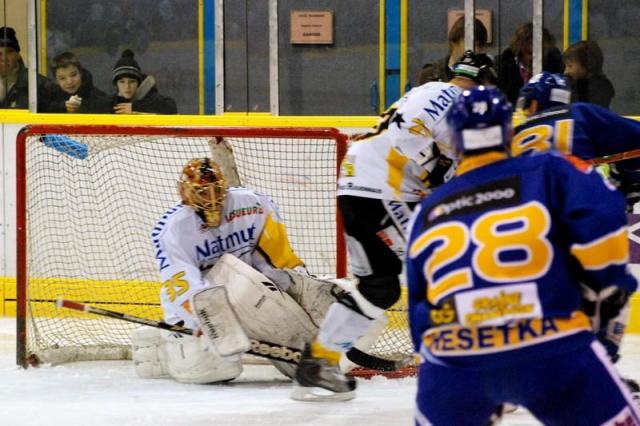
(14, 88)
(515, 63)
(583, 65)
(442, 70)
(78, 94)
(137, 93)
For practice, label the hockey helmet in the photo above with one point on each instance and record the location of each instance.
(476, 66)
(547, 88)
(480, 120)
(202, 187)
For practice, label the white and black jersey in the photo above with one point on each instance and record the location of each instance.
(408, 152)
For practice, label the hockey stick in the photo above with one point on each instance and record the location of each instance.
(258, 347)
(626, 155)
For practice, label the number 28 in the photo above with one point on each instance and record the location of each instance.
(522, 228)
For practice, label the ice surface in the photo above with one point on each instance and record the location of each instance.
(99, 393)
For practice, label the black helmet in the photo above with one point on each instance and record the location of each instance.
(476, 66)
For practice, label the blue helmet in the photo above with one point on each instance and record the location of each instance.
(480, 120)
(547, 88)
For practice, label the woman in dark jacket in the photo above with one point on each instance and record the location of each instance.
(77, 92)
(137, 93)
(515, 63)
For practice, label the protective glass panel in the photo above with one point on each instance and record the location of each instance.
(14, 92)
(428, 37)
(613, 26)
(162, 35)
(330, 79)
(246, 56)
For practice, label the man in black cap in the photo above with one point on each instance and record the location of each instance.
(14, 89)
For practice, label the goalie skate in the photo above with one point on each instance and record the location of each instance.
(318, 373)
(315, 394)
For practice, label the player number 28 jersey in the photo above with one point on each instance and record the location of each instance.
(497, 255)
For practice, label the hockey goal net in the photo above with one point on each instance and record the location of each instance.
(88, 197)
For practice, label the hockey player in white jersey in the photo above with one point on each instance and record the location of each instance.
(228, 270)
(384, 174)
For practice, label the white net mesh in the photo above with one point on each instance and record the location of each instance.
(89, 222)
(92, 199)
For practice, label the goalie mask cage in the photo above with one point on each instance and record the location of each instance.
(88, 197)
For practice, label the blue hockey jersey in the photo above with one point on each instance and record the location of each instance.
(582, 129)
(496, 256)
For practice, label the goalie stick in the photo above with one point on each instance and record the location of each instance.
(258, 347)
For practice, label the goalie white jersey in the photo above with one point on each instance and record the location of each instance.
(185, 249)
(408, 152)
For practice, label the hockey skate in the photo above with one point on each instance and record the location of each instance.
(316, 372)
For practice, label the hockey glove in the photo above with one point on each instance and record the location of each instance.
(609, 313)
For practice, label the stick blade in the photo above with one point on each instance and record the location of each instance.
(70, 304)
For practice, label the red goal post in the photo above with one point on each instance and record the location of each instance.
(87, 200)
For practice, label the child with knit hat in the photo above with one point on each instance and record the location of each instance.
(136, 92)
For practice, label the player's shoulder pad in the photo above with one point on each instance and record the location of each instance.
(241, 192)
(557, 112)
(170, 215)
(432, 100)
(171, 219)
(239, 196)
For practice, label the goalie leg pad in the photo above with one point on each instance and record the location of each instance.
(149, 353)
(195, 360)
(264, 311)
(219, 322)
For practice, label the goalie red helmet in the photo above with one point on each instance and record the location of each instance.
(202, 187)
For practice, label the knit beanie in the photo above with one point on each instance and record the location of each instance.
(8, 38)
(126, 67)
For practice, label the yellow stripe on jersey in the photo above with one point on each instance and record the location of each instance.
(473, 162)
(274, 242)
(457, 340)
(564, 136)
(396, 162)
(612, 249)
